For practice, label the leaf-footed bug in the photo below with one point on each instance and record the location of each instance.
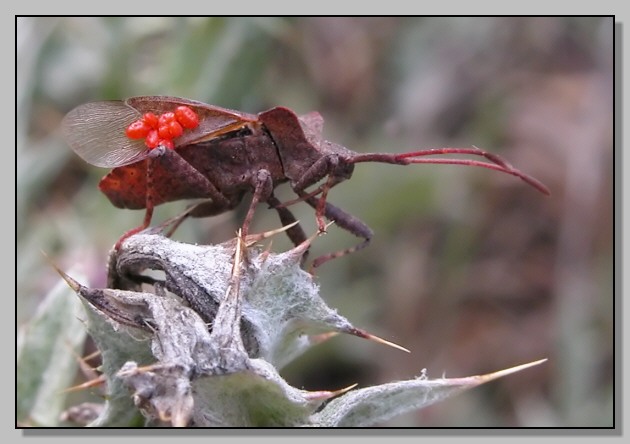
(164, 149)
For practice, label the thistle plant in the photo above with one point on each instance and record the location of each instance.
(197, 336)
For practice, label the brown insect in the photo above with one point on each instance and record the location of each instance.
(164, 149)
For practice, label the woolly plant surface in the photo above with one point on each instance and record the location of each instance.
(197, 335)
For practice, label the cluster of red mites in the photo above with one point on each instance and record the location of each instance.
(162, 129)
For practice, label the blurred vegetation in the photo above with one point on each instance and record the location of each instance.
(470, 269)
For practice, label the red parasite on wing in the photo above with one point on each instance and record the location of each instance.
(162, 129)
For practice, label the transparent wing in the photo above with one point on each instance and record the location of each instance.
(96, 132)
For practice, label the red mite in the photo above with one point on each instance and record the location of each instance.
(164, 149)
(162, 129)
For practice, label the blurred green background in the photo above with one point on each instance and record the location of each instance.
(471, 270)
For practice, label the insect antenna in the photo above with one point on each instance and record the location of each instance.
(494, 162)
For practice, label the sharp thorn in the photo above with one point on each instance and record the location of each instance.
(371, 337)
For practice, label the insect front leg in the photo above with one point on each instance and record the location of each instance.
(329, 165)
(346, 221)
(324, 166)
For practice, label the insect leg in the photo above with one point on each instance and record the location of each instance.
(206, 208)
(218, 203)
(174, 162)
(346, 221)
(169, 160)
(336, 171)
(323, 167)
(263, 188)
(149, 206)
(295, 233)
